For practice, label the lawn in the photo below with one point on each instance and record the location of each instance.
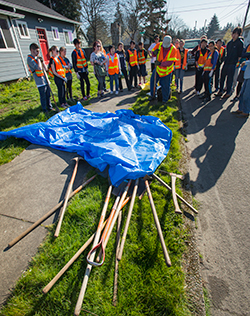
(146, 286)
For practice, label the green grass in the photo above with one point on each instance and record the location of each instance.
(207, 301)
(20, 105)
(146, 286)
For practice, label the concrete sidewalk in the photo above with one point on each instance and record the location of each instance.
(32, 184)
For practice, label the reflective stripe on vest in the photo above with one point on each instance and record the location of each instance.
(178, 57)
(171, 56)
(132, 58)
(142, 58)
(64, 64)
(113, 66)
(202, 59)
(59, 68)
(221, 51)
(39, 73)
(81, 61)
(208, 64)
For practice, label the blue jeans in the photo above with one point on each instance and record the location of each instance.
(227, 71)
(44, 92)
(112, 78)
(179, 74)
(165, 83)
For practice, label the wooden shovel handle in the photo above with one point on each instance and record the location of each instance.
(176, 205)
(158, 226)
(47, 215)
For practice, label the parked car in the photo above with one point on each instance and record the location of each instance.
(190, 44)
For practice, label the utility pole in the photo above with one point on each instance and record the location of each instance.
(245, 19)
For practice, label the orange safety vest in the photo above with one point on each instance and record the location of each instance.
(208, 64)
(132, 58)
(113, 65)
(64, 64)
(141, 57)
(59, 68)
(104, 53)
(202, 59)
(39, 73)
(80, 60)
(178, 59)
(221, 52)
(248, 49)
(171, 56)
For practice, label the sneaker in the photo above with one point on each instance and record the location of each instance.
(85, 98)
(219, 94)
(88, 96)
(102, 94)
(116, 92)
(139, 83)
(197, 92)
(99, 95)
(226, 96)
(236, 99)
(207, 100)
(67, 105)
(216, 90)
(121, 90)
(105, 90)
(63, 106)
(111, 92)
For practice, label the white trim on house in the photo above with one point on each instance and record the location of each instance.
(11, 49)
(20, 50)
(12, 14)
(53, 28)
(25, 29)
(67, 31)
(12, 5)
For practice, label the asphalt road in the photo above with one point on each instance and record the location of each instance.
(218, 143)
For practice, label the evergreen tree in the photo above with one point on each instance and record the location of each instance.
(213, 26)
(153, 18)
(70, 9)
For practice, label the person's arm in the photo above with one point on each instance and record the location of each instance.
(107, 63)
(127, 56)
(74, 61)
(215, 58)
(146, 54)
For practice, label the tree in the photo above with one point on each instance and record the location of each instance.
(228, 36)
(94, 14)
(177, 27)
(119, 17)
(70, 9)
(132, 18)
(153, 17)
(102, 33)
(213, 26)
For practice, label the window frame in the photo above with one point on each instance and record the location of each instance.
(55, 28)
(67, 30)
(26, 25)
(11, 49)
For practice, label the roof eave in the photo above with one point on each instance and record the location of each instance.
(38, 12)
(12, 14)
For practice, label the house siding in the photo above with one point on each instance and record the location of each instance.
(11, 64)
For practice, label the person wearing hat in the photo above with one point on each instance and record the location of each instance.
(200, 58)
(165, 53)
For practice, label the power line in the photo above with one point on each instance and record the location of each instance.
(195, 5)
(210, 8)
(231, 12)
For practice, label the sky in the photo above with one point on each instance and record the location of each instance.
(226, 11)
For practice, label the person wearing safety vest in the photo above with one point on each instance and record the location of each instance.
(180, 64)
(165, 53)
(142, 58)
(233, 54)
(209, 68)
(67, 66)
(131, 57)
(113, 68)
(221, 51)
(200, 58)
(80, 66)
(240, 79)
(35, 67)
(57, 72)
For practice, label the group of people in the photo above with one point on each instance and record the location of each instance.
(209, 57)
(131, 64)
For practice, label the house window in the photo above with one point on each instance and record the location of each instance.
(55, 33)
(68, 35)
(6, 41)
(23, 29)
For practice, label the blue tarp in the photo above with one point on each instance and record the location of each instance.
(131, 145)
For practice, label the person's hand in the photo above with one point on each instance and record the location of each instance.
(203, 73)
(211, 73)
(157, 63)
(65, 79)
(243, 64)
(78, 76)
